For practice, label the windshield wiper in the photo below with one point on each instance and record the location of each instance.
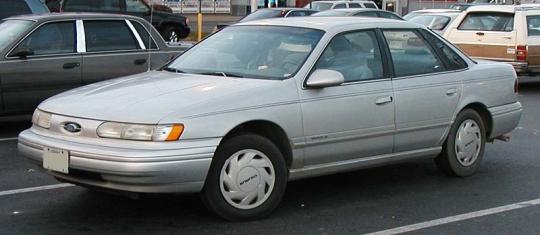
(222, 74)
(170, 69)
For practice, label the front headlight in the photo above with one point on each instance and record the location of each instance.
(128, 131)
(41, 119)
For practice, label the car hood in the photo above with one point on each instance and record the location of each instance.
(151, 96)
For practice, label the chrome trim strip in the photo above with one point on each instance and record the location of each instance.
(361, 163)
(81, 37)
(136, 34)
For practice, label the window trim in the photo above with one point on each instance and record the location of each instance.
(430, 47)
(385, 76)
(8, 57)
(149, 35)
(120, 50)
(441, 54)
(501, 31)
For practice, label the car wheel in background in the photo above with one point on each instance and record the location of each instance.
(464, 147)
(247, 178)
(172, 34)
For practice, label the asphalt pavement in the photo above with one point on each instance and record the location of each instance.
(414, 197)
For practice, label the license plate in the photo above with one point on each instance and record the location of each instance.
(56, 160)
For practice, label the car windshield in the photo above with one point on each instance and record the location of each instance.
(10, 30)
(319, 6)
(435, 22)
(263, 52)
(263, 14)
(331, 13)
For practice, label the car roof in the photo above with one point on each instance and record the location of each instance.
(70, 15)
(329, 23)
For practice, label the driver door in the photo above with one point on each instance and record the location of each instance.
(355, 119)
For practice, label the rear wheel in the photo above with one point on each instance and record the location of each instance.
(464, 146)
(172, 34)
(247, 178)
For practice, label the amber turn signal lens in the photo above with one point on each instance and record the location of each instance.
(176, 132)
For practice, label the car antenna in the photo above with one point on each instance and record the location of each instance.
(149, 46)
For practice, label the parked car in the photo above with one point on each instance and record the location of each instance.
(43, 55)
(172, 27)
(327, 5)
(266, 13)
(264, 102)
(429, 11)
(363, 12)
(54, 6)
(437, 22)
(461, 6)
(21, 7)
(506, 33)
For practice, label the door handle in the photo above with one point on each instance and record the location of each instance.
(383, 100)
(71, 65)
(139, 61)
(451, 91)
(480, 33)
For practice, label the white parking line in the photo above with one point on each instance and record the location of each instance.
(33, 189)
(455, 218)
(8, 139)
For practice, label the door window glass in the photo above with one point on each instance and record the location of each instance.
(488, 21)
(136, 6)
(355, 5)
(108, 35)
(339, 6)
(454, 61)
(143, 33)
(356, 55)
(411, 55)
(12, 8)
(51, 38)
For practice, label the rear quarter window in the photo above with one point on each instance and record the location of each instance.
(488, 21)
(533, 25)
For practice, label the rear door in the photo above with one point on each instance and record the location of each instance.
(113, 49)
(486, 35)
(533, 41)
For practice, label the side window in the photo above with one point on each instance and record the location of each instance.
(411, 55)
(51, 38)
(488, 21)
(370, 5)
(366, 14)
(339, 6)
(12, 8)
(92, 5)
(143, 33)
(452, 58)
(356, 55)
(136, 6)
(354, 5)
(108, 35)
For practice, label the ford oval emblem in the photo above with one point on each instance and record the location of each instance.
(72, 127)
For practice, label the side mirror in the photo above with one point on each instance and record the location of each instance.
(23, 52)
(325, 78)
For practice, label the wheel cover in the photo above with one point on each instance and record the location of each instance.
(173, 37)
(468, 142)
(247, 179)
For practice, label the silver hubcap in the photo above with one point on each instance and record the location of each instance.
(173, 37)
(468, 142)
(247, 179)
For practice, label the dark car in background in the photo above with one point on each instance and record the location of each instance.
(266, 13)
(43, 55)
(21, 7)
(172, 27)
(362, 12)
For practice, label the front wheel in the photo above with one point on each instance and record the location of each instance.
(464, 147)
(247, 178)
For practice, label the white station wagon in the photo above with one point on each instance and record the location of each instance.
(261, 103)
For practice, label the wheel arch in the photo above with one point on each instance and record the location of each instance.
(481, 109)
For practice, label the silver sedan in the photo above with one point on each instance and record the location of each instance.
(261, 103)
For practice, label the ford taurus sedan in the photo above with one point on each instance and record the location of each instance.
(260, 103)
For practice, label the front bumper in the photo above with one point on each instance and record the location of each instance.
(151, 168)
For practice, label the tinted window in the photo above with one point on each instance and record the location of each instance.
(12, 8)
(454, 61)
(105, 35)
(435, 22)
(488, 21)
(356, 55)
(10, 30)
(533, 25)
(355, 5)
(411, 55)
(143, 33)
(136, 6)
(388, 15)
(366, 14)
(92, 5)
(51, 38)
(370, 5)
(262, 14)
(339, 6)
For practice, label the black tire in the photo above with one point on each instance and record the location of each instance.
(448, 161)
(212, 195)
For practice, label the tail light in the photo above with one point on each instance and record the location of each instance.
(516, 86)
(521, 53)
(187, 21)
